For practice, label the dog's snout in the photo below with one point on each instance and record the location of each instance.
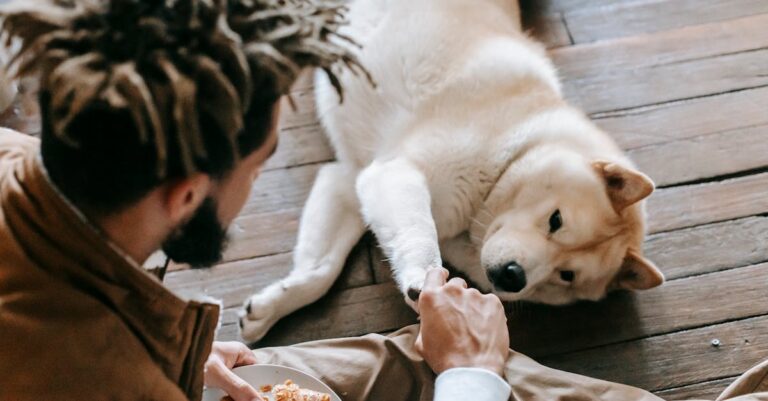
(509, 277)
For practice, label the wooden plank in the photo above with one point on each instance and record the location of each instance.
(230, 282)
(636, 87)
(305, 112)
(650, 365)
(263, 234)
(553, 6)
(281, 189)
(686, 206)
(548, 29)
(687, 119)
(705, 156)
(634, 18)
(684, 44)
(346, 313)
(709, 248)
(708, 390)
(683, 304)
(299, 146)
(234, 282)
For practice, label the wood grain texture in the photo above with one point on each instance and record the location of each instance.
(299, 146)
(650, 364)
(675, 121)
(346, 313)
(709, 248)
(708, 390)
(680, 304)
(549, 29)
(553, 6)
(690, 205)
(636, 87)
(704, 156)
(233, 282)
(666, 47)
(631, 18)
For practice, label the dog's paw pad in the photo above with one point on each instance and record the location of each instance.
(414, 293)
(256, 318)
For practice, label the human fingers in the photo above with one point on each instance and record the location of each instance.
(219, 376)
(435, 279)
(458, 282)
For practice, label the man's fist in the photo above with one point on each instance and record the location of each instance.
(460, 327)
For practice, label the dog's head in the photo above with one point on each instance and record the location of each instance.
(561, 228)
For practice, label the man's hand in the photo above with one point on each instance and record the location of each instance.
(218, 370)
(460, 327)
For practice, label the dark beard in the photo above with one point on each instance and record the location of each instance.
(200, 242)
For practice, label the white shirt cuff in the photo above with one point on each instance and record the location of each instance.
(471, 384)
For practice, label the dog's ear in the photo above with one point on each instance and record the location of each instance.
(637, 273)
(625, 186)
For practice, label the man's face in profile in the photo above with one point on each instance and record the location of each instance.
(202, 239)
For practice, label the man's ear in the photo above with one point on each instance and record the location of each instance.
(625, 186)
(184, 196)
(637, 273)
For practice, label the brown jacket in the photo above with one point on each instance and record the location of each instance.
(79, 321)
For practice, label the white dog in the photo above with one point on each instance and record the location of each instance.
(466, 153)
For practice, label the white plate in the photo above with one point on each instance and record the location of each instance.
(260, 375)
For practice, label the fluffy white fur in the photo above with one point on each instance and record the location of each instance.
(464, 153)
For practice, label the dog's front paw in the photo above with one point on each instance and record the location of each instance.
(412, 291)
(258, 316)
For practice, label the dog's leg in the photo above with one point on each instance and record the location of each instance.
(330, 227)
(396, 203)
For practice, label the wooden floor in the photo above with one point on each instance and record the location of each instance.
(683, 86)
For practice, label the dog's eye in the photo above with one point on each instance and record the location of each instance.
(567, 275)
(555, 221)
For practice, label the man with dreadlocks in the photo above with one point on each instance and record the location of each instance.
(156, 116)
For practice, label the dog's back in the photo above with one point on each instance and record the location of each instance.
(432, 60)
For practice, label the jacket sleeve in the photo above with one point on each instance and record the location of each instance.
(471, 384)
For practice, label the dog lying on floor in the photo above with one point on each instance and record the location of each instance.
(465, 153)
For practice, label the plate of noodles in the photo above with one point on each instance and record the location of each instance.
(278, 383)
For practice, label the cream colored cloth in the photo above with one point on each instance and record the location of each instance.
(379, 368)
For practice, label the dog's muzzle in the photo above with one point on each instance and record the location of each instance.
(508, 278)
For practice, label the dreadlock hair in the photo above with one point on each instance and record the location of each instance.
(134, 93)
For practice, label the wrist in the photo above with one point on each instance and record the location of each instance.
(492, 363)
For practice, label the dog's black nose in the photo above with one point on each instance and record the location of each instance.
(510, 277)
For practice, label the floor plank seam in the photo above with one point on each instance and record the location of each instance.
(708, 57)
(567, 31)
(762, 214)
(718, 178)
(292, 166)
(621, 112)
(661, 334)
(700, 135)
(725, 269)
(710, 380)
(299, 165)
(314, 123)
